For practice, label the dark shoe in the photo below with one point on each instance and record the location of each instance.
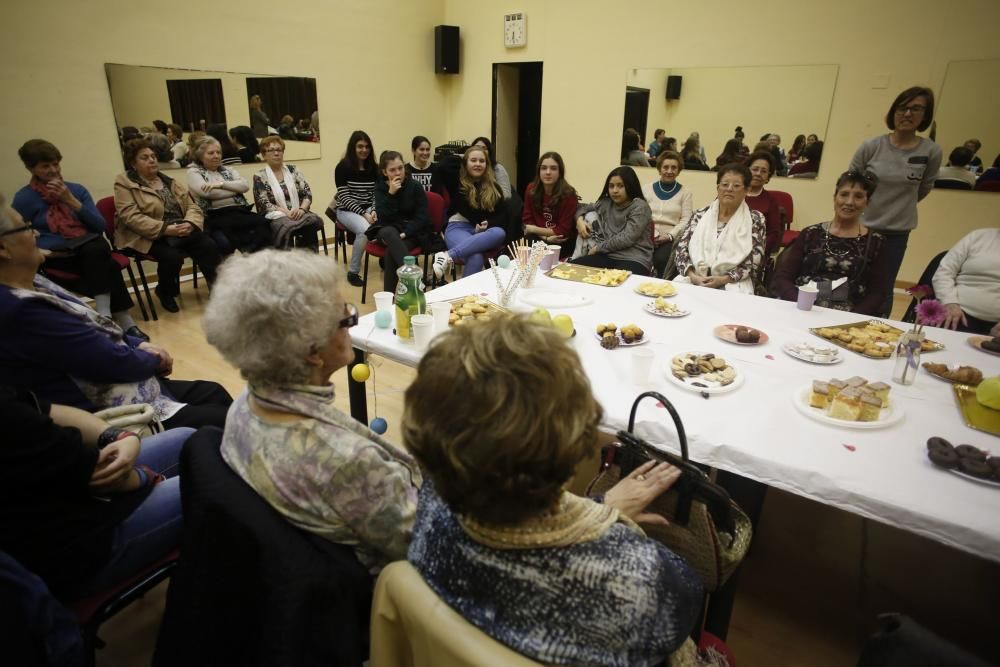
(168, 302)
(136, 332)
(355, 280)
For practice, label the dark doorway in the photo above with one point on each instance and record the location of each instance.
(517, 119)
(636, 110)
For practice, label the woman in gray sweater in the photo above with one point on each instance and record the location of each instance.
(616, 231)
(905, 166)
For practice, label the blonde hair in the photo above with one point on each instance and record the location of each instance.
(271, 139)
(486, 194)
(518, 416)
(200, 145)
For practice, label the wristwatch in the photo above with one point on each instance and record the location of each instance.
(113, 434)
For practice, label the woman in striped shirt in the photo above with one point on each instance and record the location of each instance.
(355, 177)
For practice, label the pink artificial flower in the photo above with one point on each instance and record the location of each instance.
(931, 312)
(920, 292)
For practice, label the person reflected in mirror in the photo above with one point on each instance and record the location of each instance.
(219, 191)
(739, 136)
(161, 146)
(615, 232)
(160, 126)
(499, 171)
(632, 153)
(178, 149)
(841, 248)
(808, 166)
(671, 206)
(421, 168)
(156, 216)
(246, 144)
(905, 165)
(283, 196)
(71, 234)
(259, 121)
(967, 282)
(550, 205)
(355, 178)
(692, 153)
(975, 164)
(781, 160)
(402, 223)
(286, 128)
(670, 144)
(731, 152)
(656, 145)
(991, 175)
(795, 151)
(956, 174)
(761, 166)
(302, 131)
(230, 154)
(192, 138)
(722, 247)
(314, 123)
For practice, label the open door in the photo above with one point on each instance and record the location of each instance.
(517, 119)
(636, 111)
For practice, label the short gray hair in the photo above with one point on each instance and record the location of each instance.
(201, 144)
(6, 215)
(270, 310)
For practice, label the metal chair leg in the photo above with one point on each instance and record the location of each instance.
(322, 231)
(145, 286)
(194, 273)
(364, 278)
(138, 294)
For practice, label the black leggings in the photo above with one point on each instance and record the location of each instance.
(605, 262)
(98, 273)
(245, 230)
(396, 250)
(170, 254)
(207, 403)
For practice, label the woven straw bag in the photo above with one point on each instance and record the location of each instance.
(706, 528)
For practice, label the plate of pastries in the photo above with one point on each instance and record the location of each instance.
(703, 372)
(813, 353)
(873, 338)
(663, 308)
(969, 375)
(988, 344)
(469, 308)
(610, 336)
(851, 403)
(965, 461)
(656, 288)
(740, 334)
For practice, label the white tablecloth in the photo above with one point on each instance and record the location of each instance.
(756, 431)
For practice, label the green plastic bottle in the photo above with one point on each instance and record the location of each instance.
(409, 296)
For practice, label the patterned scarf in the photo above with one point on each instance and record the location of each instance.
(60, 217)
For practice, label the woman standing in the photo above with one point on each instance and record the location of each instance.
(71, 229)
(905, 165)
(258, 119)
(723, 245)
(402, 223)
(219, 192)
(615, 231)
(837, 249)
(550, 205)
(421, 169)
(477, 217)
(671, 206)
(762, 165)
(283, 196)
(355, 177)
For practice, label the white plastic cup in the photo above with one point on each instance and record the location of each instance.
(423, 330)
(642, 363)
(383, 301)
(549, 260)
(440, 312)
(807, 297)
(557, 249)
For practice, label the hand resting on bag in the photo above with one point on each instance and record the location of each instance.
(634, 493)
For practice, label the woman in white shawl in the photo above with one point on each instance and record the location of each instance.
(723, 245)
(283, 197)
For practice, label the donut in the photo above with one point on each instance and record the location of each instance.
(970, 452)
(946, 458)
(975, 468)
(994, 462)
(938, 444)
(992, 345)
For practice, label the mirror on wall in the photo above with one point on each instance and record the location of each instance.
(713, 106)
(194, 100)
(966, 129)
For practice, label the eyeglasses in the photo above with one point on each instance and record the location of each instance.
(351, 319)
(276, 149)
(913, 109)
(18, 230)
(730, 186)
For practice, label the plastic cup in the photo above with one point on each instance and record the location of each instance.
(383, 301)
(642, 363)
(423, 330)
(440, 312)
(807, 297)
(549, 260)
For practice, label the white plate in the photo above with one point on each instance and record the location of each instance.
(789, 349)
(735, 384)
(987, 482)
(546, 298)
(622, 343)
(650, 307)
(889, 416)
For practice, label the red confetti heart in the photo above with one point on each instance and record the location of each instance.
(661, 405)
(768, 356)
(849, 448)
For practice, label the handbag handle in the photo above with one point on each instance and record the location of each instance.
(678, 424)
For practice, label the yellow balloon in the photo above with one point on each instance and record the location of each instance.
(361, 372)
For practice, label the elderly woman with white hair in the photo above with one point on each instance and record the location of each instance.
(279, 317)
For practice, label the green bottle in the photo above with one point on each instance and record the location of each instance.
(409, 296)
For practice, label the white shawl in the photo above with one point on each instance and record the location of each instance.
(715, 252)
(279, 195)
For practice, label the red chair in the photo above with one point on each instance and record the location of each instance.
(786, 206)
(340, 233)
(107, 208)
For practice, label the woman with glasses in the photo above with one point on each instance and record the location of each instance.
(841, 248)
(905, 166)
(762, 166)
(280, 318)
(723, 245)
(283, 196)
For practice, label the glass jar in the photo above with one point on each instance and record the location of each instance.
(906, 357)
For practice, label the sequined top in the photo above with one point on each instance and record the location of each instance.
(326, 473)
(589, 590)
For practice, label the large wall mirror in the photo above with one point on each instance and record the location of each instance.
(789, 102)
(966, 127)
(195, 100)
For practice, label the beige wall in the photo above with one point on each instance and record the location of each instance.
(968, 107)
(588, 47)
(52, 64)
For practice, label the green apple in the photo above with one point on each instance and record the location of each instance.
(564, 325)
(541, 316)
(988, 393)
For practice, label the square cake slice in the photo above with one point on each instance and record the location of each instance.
(846, 405)
(871, 408)
(819, 397)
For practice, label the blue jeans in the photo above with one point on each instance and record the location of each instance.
(357, 224)
(895, 249)
(466, 245)
(154, 528)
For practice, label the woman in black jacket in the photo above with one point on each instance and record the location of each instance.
(401, 215)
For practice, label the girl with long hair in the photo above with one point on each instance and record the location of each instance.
(616, 230)
(550, 204)
(355, 178)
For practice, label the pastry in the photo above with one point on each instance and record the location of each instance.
(970, 452)
(836, 386)
(609, 340)
(871, 408)
(881, 390)
(994, 462)
(658, 289)
(819, 397)
(747, 335)
(846, 405)
(993, 345)
(938, 443)
(827, 332)
(856, 381)
(974, 467)
(946, 458)
(963, 374)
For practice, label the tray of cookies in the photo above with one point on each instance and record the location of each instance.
(702, 372)
(468, 308)
(872, 338)
(588, 274)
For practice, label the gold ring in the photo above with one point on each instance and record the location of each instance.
(641, 478)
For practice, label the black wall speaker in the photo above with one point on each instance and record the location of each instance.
(446, 49)
(674, 87)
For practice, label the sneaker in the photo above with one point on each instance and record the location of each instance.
(136, 332)
(355, 280)
(442, 264)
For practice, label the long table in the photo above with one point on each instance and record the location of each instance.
(755, 431)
